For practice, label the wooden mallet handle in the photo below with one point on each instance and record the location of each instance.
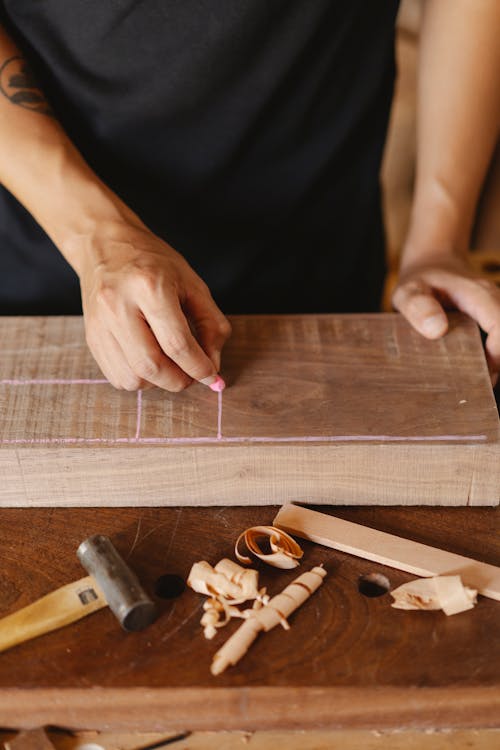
(61, 607)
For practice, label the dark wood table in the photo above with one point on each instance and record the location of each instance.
(348, 660)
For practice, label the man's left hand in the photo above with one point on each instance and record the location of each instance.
(426, 290)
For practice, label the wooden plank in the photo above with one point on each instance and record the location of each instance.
(387, 549)
(347, 661)
(252, 708)
(328, 409)
(314, 739)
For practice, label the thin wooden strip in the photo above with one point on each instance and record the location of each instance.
(387, 549)
(227, 708)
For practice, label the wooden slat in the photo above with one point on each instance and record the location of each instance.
(357, 409)
(388, 549)
(253, 708)
(315, 739)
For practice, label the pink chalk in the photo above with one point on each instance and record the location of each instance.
(218, 385)
(219, 415)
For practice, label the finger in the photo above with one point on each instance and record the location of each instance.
(211, 327)
(492, 351)
(480, 299)
(145, 357)
(171, 329)
(416, 301)
(110, 358)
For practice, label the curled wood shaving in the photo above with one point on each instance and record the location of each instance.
(227, 579)
(217, 613)
(440, 592)
(285, 554)
(275, 612)
(226, 585)
(210, 620)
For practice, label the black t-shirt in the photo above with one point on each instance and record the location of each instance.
(246, 133)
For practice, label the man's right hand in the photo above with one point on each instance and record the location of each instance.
(149, 318)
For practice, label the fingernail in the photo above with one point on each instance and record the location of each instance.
(210, 380)
(219, 385)
(214, 382)
(435, 325)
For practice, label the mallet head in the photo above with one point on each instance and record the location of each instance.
(120, 586)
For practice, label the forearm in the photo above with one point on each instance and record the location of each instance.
(149, 318)
(44, 170)
(458, 123)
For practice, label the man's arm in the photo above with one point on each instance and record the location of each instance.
(458, 125)
(140, 297)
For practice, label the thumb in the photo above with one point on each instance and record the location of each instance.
(210, 326)
(416, 301)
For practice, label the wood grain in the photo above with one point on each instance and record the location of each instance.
(344, 408)
(348, 660)
(347, 739)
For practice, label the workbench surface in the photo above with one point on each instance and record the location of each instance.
(348, 660)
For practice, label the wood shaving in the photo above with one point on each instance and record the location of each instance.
(275, 612)
(286, 553)
(441, 592)
(226, 579)
(226, 585)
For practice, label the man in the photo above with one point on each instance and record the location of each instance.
(247, 135)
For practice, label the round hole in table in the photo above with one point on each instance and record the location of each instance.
(169, 586)
(373, 584)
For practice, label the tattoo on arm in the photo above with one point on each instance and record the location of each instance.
(18, 85)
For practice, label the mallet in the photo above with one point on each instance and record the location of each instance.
(110, 583)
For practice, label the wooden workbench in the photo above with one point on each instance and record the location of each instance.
(348, 661)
